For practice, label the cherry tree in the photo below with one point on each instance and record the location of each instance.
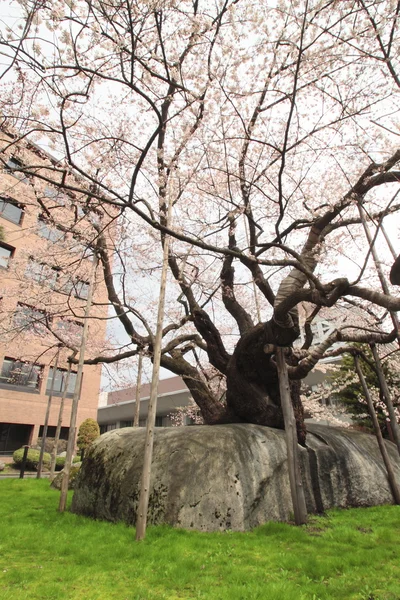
(272, 129)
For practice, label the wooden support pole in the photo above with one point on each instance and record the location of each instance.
(151, 416)
(388, 241)
(256, 302)
(59, 424)
(378, 267)
(46, 419)
(386, 459)
(295, 476)
(138, 390)
(388, 397)
(77, 392)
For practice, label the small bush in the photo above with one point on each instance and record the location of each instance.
(88, 432)
(32, 460)
(60, 462)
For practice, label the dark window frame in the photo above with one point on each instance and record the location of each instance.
(60, 392)
(10, 249)
(63, 324)
(74, 287)
(30, 326)
(7, 200)
(20, 386)
(43, 280)
(14, 170)
(54, 234)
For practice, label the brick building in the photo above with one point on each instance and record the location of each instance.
(44, 281)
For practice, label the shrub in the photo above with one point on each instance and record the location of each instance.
(88, 432)
(60, 462)
(32, 460)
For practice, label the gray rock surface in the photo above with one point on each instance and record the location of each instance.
(57, 481)
(228, 476)
(2, 466)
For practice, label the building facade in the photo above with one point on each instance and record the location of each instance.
(117, 409)
(44, 282)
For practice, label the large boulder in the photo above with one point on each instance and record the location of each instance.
(58, 479)
(228, 476)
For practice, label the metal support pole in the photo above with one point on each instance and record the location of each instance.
(23, 464)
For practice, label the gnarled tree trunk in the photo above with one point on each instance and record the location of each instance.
(252, 378)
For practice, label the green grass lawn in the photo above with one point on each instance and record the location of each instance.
(353, 555)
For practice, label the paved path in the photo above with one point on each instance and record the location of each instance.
(26, 476)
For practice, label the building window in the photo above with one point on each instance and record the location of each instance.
(21, 374)
(31, 319)
(76, 287)
(13, 166)
(46, 231)
(13, 436)
(72, 329)
(51, 432)
(326, 327)
(42, 273)
(6, 253)
(126, 424)
(11, 210)
(55, 194)
(81, 289)
(60, 381)
(108, 427)
(159, 421)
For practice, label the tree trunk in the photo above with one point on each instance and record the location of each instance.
(295, 476)
(253, 392)
(390, 473)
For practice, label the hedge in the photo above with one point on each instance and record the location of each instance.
(32, 460)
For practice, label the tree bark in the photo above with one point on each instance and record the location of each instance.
(253, 392)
